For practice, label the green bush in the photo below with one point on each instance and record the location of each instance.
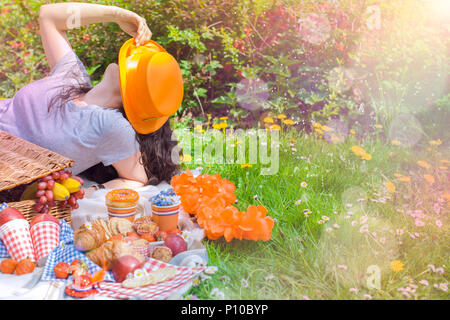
(324, 60)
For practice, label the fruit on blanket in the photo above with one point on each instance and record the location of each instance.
(8, 266)
(71, 184)
(78, 268)
(131, 236)
(43, 217)
(61, 270)
(8, 214)
(175, 243)
(116, 237)
(60, 192)
(149, 237)
(123, 266)
(24, 266)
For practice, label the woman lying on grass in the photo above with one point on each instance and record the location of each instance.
(64, 113)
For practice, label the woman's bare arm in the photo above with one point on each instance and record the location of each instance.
(131, 168)
(118, 183)
(55, 19)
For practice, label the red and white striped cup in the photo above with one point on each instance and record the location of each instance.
(45, 238)
(16, 236)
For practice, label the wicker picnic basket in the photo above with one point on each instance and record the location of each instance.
(21, 163)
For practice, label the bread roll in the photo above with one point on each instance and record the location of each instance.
(106, 254)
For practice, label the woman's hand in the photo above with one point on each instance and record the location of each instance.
(56, 18)
(134, 25)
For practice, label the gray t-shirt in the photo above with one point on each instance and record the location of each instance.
(88, 135)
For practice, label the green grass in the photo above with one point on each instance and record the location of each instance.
(307, 259)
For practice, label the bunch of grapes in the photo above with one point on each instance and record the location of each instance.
(45, 197)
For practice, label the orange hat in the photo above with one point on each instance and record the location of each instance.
(150, 83)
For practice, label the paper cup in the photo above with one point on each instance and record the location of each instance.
(45, 238)
(128, 213)
(166, 217)
(16, 237)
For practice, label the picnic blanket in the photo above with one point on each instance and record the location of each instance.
(93, 208)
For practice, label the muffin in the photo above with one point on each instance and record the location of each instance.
(145, 225)
(162, 253)
(122, 203)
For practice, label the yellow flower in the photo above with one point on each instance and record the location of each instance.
(435, 142)
(397, 265)
(352, 131)
(446, 196)
(268, 120)
(445, 161)
(378, 126)
(223, 118)
(288, 122)
(238, 142)
(429, 178)
(423, 164)
(281, 116)
(318, 130)
(395, 143)
(398, 175)
(366, 156)
(390, 186)
(246, 165)
(220, 125)
(1, 98)
(276, 127)
(198, 128)
(326, 128)
(405, 179)
(358, 150)
(186, 158)
(316, 125)
(443, 168)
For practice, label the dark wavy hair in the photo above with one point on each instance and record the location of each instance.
(156, 148)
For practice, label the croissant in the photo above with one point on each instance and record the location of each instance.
(107, 253)
(88, 238)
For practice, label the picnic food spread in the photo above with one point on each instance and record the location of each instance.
(119, 246)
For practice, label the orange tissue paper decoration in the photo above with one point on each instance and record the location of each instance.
(210, 198)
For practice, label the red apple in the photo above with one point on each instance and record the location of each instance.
(176, 243)
(123, 266)
(43, 217)
(10, 213)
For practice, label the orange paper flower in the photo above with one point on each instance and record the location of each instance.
(210, 198)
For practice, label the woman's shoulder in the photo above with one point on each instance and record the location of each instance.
(69, 68)
(113, 122)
